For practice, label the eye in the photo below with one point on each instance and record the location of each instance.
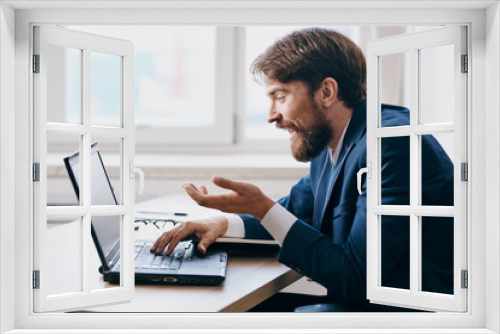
(280, 97)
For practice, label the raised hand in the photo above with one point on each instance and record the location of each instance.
(243, 197)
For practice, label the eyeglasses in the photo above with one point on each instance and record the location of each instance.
(158, 223)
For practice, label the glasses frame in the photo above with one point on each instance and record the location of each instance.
(155, 222)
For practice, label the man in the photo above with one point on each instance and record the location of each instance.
(316, 82)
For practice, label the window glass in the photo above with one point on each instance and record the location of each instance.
(174, 74)
(395, 171)
(394, 86)
(105, 89)
(395, 234)
(60, 191)
(431, 179)
(437, 241)
(107, 232)
(63, 255)
(64, 88)
(436, 84)
(107, 182)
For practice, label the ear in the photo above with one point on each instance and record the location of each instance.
(328, 92)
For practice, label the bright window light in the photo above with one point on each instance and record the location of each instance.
(174, 73)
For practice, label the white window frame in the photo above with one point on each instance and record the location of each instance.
(413, 43)
(87, 43)
(483, 231)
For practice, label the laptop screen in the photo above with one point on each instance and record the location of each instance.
(105, 229)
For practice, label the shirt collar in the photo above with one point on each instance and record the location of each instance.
(334, 154)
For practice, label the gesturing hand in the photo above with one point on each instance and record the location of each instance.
(243, 198)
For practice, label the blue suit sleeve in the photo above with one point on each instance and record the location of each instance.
(339, 268)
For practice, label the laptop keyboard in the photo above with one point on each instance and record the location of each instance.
(144, 259)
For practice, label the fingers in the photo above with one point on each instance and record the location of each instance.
(218, 181)
(202, 193)
(216, 227)
(202, 197)
(204, 190)
(172, 238)
(243, 198)
(207, 230)
(162, 242)
(228, 184)
(202, 248)
(207, 240)
(187, 230)
(194, 192)
(163, 239)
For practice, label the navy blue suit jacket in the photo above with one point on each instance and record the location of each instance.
(328, 241)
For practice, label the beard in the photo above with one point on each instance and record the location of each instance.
(312, 141)
(312, 144)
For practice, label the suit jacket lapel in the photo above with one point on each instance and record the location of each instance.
(330, 175)
(328, 181)
(322, 194)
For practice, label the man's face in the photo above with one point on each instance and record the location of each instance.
(295, 110)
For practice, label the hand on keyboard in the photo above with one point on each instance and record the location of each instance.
(206, 230)
(145, 259)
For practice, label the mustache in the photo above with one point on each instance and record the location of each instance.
(282, 125)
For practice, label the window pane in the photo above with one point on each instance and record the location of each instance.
(174, 73)
(64, 87)
(64, 255)
(395, 170)
(105, 89)
(395, 234)
(106, 183)
(437, 254)
(394, 83)
(60, 190)
(437, 169)
(107, 235)
(437, 84)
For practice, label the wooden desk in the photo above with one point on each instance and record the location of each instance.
(249, 280)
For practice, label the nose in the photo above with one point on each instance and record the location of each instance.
(273, 115)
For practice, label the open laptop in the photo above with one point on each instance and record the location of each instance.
(184, 266)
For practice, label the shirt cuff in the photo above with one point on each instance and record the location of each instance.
(278, 222)
(235, 226)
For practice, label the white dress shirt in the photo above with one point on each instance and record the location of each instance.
(277, 220)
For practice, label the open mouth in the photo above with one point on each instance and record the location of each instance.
(290, 128)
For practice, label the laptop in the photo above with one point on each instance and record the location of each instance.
(184, 266)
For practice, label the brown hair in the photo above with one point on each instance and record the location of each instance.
(311, 55)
